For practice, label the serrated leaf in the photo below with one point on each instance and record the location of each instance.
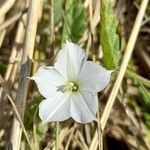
(74, 21)
(108, 37)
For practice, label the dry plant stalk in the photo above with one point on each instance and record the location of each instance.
(12, 66)
(10, 21)
(123, 67)
(2, 36)
(5, 6)
(2, 33)
(28, 48)
(15, 110)
(93, 23)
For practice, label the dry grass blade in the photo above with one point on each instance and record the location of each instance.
(28, 49)
(2, 33)
(145, 57)
(10, 21)
(139, 78)
(70, 137)
(15, 110)
(15, 49)
(82, 140)
(5, 6)
(12, 67)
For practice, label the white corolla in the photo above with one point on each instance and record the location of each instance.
(70, 86)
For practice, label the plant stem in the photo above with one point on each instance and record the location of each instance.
(57, 136)
(137, 77)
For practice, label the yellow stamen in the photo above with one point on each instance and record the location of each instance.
(71, 86)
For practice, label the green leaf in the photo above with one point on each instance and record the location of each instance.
(147, 119)
(31, 117)
(31, 107)
(108, 37)
(74, 21)
(41, 130)
(145, 94)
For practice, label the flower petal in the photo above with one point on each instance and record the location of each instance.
(69, 60)
(93, 77)
(47, 80)
(91, 101)
(56, 108)
(80, 111)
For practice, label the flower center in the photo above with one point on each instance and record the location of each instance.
(70, 86)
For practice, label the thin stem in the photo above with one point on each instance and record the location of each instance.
(101, 140)
(35, 138)
(100, 145)
(139, 78)
(57, 136)
(100, 131)
(52, 35)
(10, 21)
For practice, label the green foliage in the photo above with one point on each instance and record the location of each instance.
(31, 118)
(74, 21)
(108, 37)
(41, 131)
(44, 27)
(145, 95)
(2, 68)
(31, 107)
(147, 119)
(57, 11)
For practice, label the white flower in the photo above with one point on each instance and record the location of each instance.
(70, 86)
